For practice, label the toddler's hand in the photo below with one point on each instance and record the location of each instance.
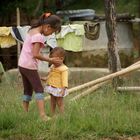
(43, 78)
(62, 92)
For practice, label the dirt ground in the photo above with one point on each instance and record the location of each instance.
(123, 138)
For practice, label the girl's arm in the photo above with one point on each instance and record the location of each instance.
(38, 55)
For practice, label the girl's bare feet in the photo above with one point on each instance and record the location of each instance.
(45, 118)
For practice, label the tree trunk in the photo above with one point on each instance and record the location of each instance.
(38, 7)
(113, 56)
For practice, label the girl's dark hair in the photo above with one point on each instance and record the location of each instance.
(59, 50)
(47, 18)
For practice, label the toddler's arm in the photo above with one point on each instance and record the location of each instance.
(63, 91)
(44, 78)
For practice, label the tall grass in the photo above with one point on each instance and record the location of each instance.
(104, 113)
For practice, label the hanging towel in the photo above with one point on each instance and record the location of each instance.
(78, 29)
(71, 37)
(71, 42)
(6, 39)
(4, 31)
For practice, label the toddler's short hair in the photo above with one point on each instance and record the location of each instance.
(59, 50)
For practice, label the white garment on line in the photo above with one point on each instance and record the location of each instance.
(23, 30)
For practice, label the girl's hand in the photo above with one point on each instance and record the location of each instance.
(55, 60)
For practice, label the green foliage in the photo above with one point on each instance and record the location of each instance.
(98, 6)
(8, 7)
(128, 6)
(29, 6)
(7, 120)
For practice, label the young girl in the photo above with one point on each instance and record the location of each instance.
(28, 60)
(57, 80)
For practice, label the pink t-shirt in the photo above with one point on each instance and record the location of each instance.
(26, 59)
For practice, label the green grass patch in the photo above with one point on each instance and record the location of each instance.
(104, 113)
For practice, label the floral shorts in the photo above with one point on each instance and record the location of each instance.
(55, 91)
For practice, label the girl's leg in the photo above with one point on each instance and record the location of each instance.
(41, 107)
(31, 81)
(39, 96)
(26, 101)
(60, 104)
(27, 90)
(35, 83)
(40, 104)
(25, 106)
(53, 104)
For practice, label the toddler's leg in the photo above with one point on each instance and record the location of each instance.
(60, 104)
(53, 104)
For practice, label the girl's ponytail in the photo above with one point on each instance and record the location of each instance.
(44, 16)
(48, 18)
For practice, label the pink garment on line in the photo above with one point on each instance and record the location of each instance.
(26, 59)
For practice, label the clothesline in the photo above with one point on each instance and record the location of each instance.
(70, 37)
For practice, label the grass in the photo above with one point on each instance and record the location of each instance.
(104, 113)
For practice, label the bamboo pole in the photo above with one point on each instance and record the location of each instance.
(18, 24)
(105, 78)
(97, 80)
(128, 88)
(131, 68)
(136, 63)
(88, 91)
(100, 84)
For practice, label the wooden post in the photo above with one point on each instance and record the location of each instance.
(113, 56)
(18, 24)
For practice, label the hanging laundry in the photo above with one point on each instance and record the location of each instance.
(92, 30)
(4, 31)
(19, 33)
(71, 37)
(6, 39)
(51, 40)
